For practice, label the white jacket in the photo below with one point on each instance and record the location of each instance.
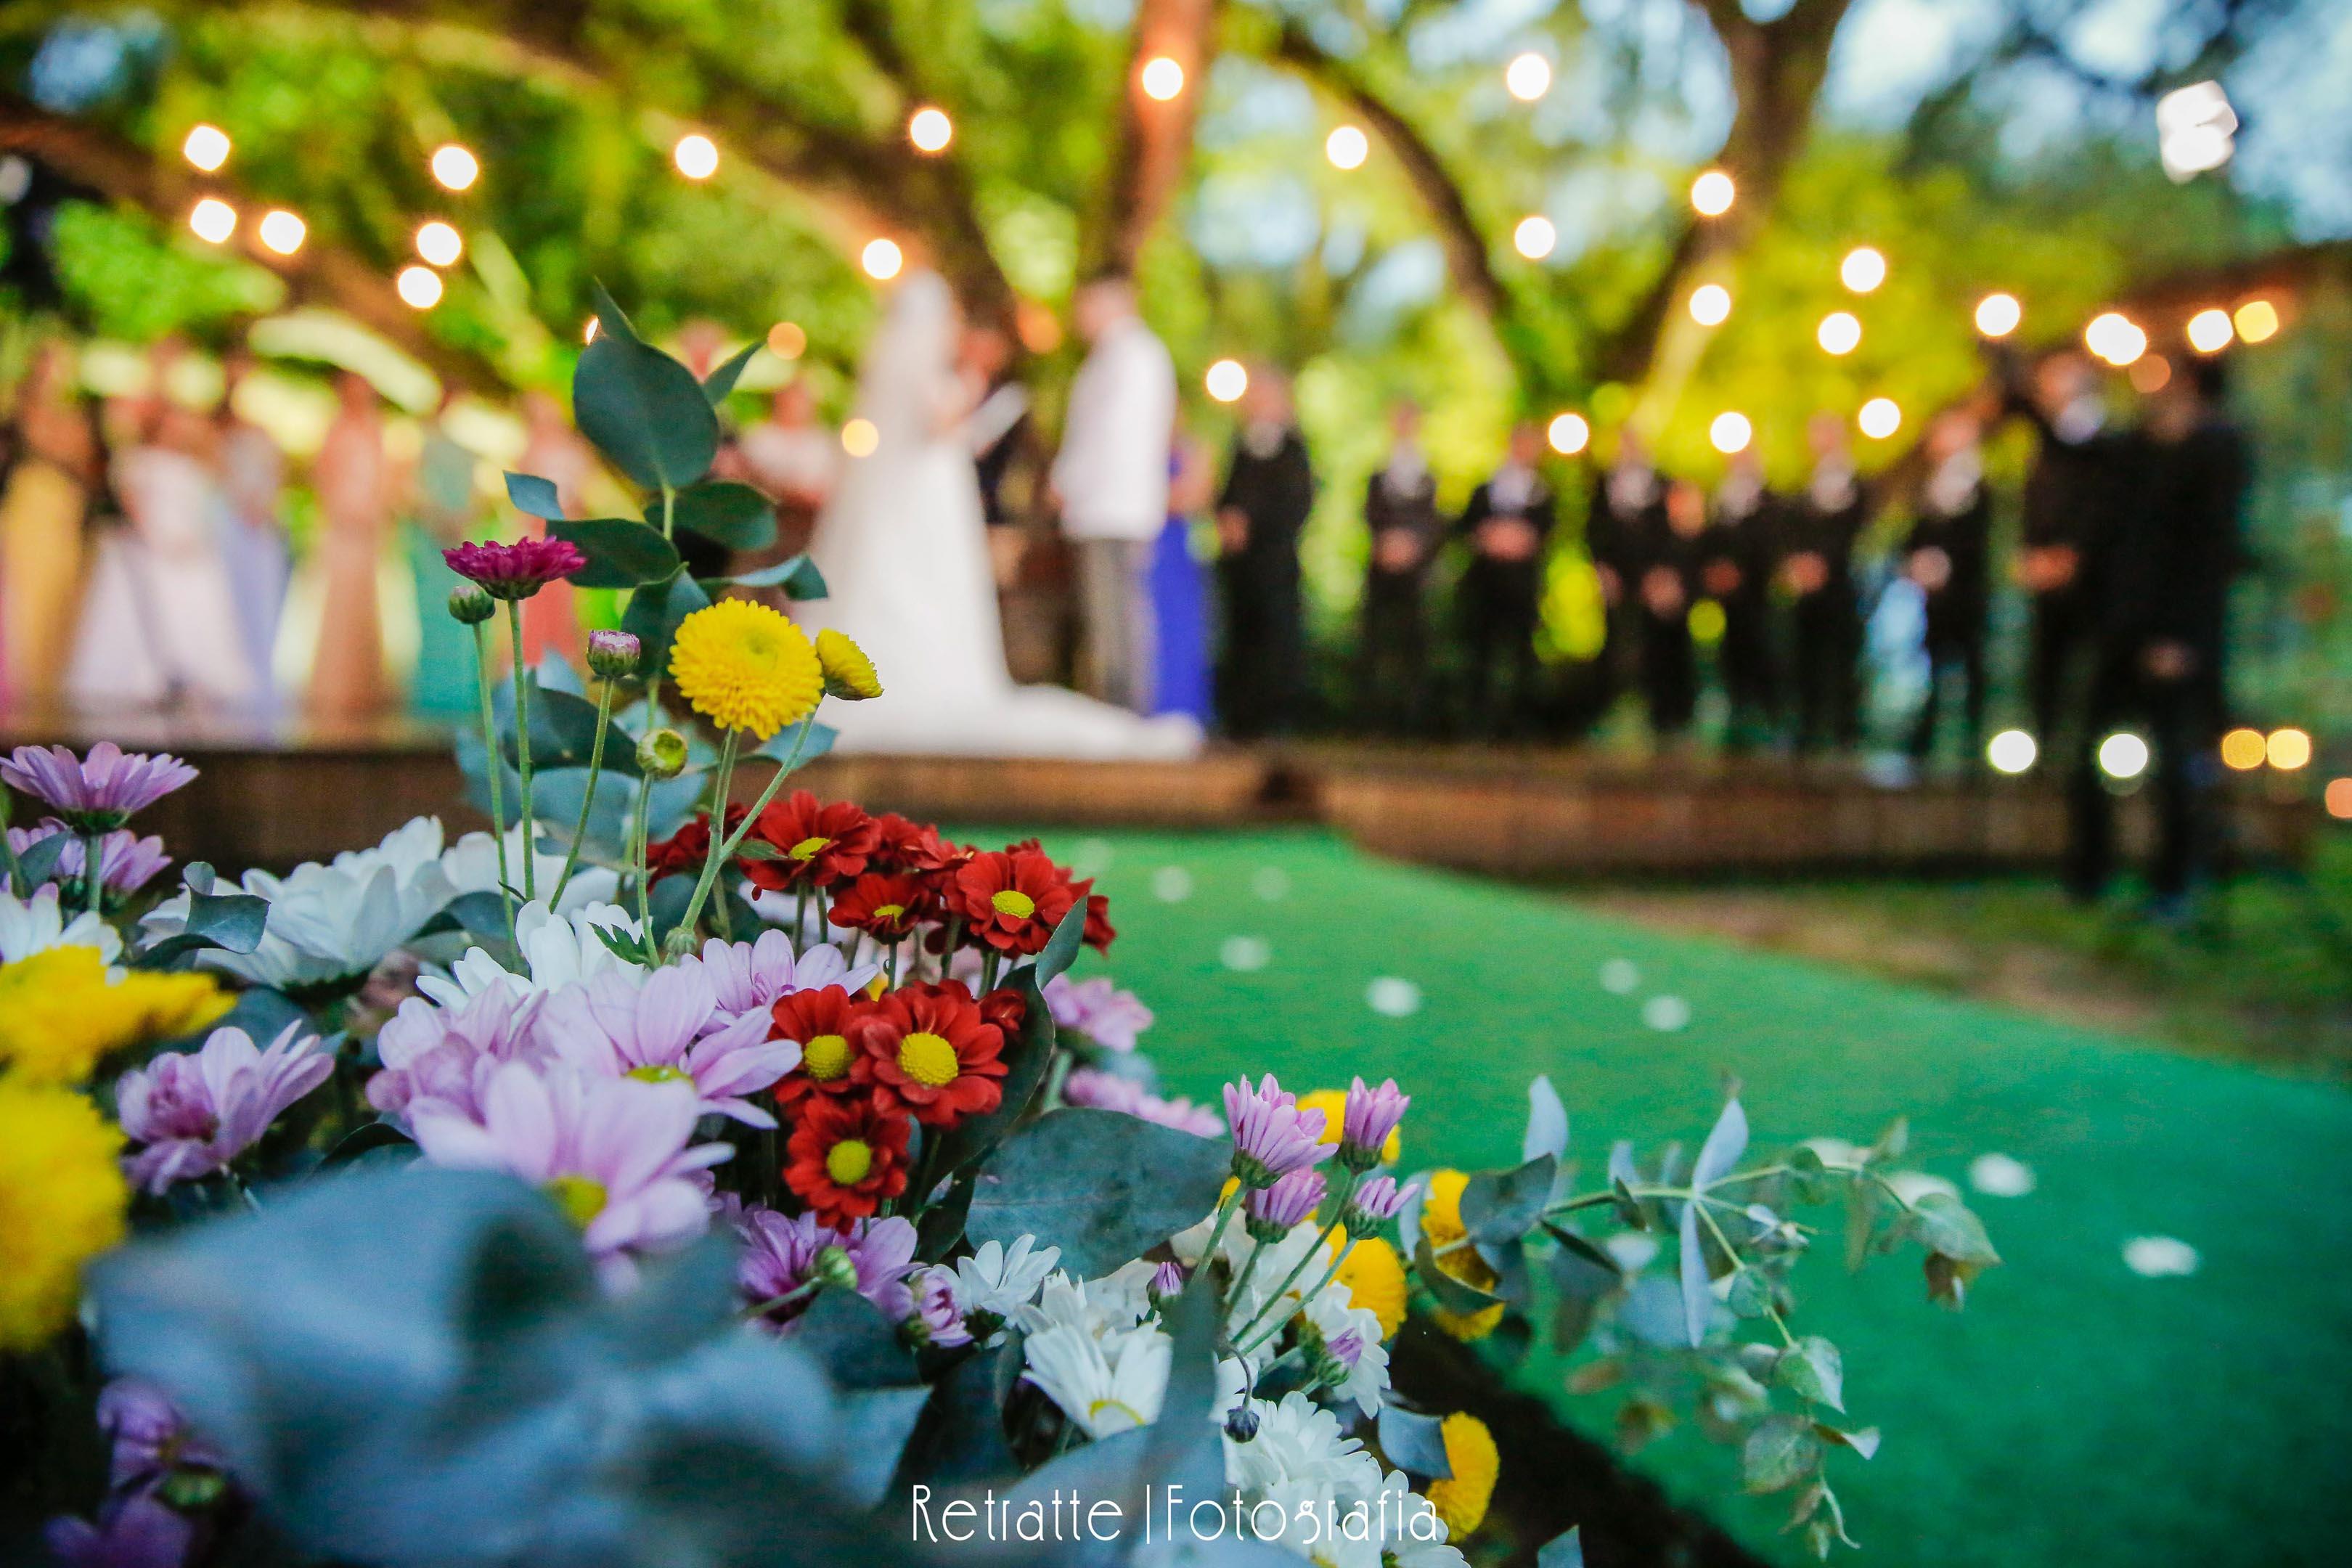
(1112, 469)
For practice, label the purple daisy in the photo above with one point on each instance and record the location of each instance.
(1374, 1201)
(937, 1307)
(126, 862)
(1273, 1211)
(1370, 1116)
(1168, 1279)
(1272, 1136)
(448, 1055)
(752, 976)
(99, 791)
(782, 1254)
(515, 570)
(654, 1027)
(197, 1111)
(137, 1531)
(151, 1438)
(1100, 1090)
(1098, 1009)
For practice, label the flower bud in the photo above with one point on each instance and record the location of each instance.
(1241, 1423)
(469, 606)
(835, 1268)
(613, 656)
(662, 754)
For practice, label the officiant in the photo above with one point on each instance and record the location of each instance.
(1269, 490)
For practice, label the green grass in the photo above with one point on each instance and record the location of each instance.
(2077, 1414)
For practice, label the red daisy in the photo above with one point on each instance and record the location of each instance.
(884, 907)
(928, 1046)
(686, 850)
(903, 845)
(1006, 1008)
(819, 1022)
(1100, 933)
(1012, 900)
(817, 844)
(847, 1157)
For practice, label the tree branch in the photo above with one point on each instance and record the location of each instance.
(1155, 139)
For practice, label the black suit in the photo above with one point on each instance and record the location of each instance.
(1392, 667)
(1621, 518)
(2070, 503)
(1499, 601)
(1742, 546)
(1260, 678)
(1960, 529)
(1826, 623)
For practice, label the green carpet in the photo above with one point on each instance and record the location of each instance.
(2075, 1414)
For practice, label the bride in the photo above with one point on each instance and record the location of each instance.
(905, 556)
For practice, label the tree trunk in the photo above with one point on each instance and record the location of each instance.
(1155, 138)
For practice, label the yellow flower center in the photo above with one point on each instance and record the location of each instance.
(1014, 904)
(657, 1072)
(847, 1163)
(928, 1058)
(888, 911)
(808, 848)
(826, 1058)
(1094, 1411)
(581, 1198)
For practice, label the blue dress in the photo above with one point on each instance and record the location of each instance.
(1179, 603)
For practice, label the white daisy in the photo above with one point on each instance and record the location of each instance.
(36, 924)
(1097, 1309)
(1001, 1280)
(1299, 1441)
(557, 950)
(1105, 1386)
(1350, 1340)
(472, 866)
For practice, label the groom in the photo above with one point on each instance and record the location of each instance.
(1110, 480)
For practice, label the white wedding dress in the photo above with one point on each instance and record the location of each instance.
(905, 556)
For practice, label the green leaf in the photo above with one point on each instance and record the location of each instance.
(780, 746)
(366, 1140)
(720, 383)
(1948, 1227)
(1062, 947)
(38, 863)
(1413, 1442)
(1809, 1178)
(1453, 1295)
(1781, 1451)
(1812, 1370)
(644, 411)
(1563, 1551)
(621, 554)
(1623, 1178)
(610, 318)
(1697, 1293)
(1583, 1276)
(798, 576)
(722, 511)
(1547, 1130)
(233, 923)
(856, 1343)
(655, 613)
(1499, 1206)
(1726, 1141)
(562, 732)
(534, 496)
(1750, 1295)
(1106, 1187)
(1865, 1442)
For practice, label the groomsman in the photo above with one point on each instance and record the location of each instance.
(1736, 558)
(1269, 491)
(2070, 501)
(1817, 573)
(1507, 523)
(1947, 555)
(1663, 574)
(1400, 513)
(1628, 508)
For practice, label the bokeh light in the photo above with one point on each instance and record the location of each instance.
(2244, 749)
(439, 242)
(2012, 752)
(1880, 418)
(207, 147)
(1710, 304)
(1227, 380)
(2115, 338)
(695, 155)
(930, 129)
(1535, 236)
(1998, 314)
(787, 339)
(1730, 432)
(2339, 798)
(1569, 434)
(1162, 79)
(588, 332)
(419, 287)
(282, 231)
(882, 258)
(2123, 756)
(859, 438)
(2150, 375)
(1839, 332)
(1529, 77)
(2256, 320)
(1347, 147)
(2289, 749)
(2210, 331)
(1712, 194)
(213, 219)
(1862, 270)
(454, 167)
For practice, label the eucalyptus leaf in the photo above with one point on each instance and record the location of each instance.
(1811, 1368)
(1726, 1141)
(1865, 1442)
(1623, 1178)
(610, 317)
(856, 1345)
(1413, 1442)
(797, 576)
(535, 497)
(1547, 1130)
(722, 511)
(720, 382)
(1502, 1206)
(1948, 1227)
(37, 863)
(653, 614)
(364, 1140)
(1106, 1187)
(644, 411)
(233, 923)
(1697, 1296)
(1563, 1551)
(621, 552)
(1061, 948)
(1028, 1057)
(780, 746)
(1781, 1451)
(1453, 1294)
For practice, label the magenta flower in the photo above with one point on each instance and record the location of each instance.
(1168, 1279)
(654, 1027)
(1370, 1116)
(515, 570)
(1272, 1136)
(611, 1153)
(136, 1530)
(151, 1438)
(1101, 1090)
(782, 1254)
(126, 862)
(197, 1111)
(751, 976)
(937, 1307)
(1374, 1201)
(433, 1053)
(1272, 1211)
(97, 793)
(1098, 1009)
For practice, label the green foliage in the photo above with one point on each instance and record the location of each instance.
(127, 278)
(1106, 1187)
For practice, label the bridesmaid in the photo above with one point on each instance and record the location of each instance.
(347, 677)
(252, 543)
(57, 468)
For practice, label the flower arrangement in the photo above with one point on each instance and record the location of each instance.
(658, 1179)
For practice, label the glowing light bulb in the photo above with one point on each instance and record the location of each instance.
(1731, 433)
(1839, 332)
(787, 339)
(2289, 749)
(930, 129)
(455, 168)
(439, 242)
(419, 287)
(1712, 194)
(1529, 77)
(213, 219)
(588, 333)
(1998, 314)
(2210, 331)
(2012, 752)
(1880, 418)
(1227, 380)
(282, 231)
(882, 258)
(1710, 304)
(2123, 756)
(1569, 434)
(2256, 320)
(1534, 238)
(2114, 339)
(1862, 270)
(1347, 147)
(859, 438)
(1162, 79)
(207, 147)
(2244, 749)
(695, 155)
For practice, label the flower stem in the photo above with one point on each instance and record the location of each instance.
(761, 1308)
(669, 508)
(93, 851)
(722, 780)
(751, 817)
(527, 815)
(1299, 1268)
(638, 831)
(496, 766)
(588, 795)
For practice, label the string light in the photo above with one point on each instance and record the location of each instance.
(1840, 332)
(419, 287)
(2113, 338)
(1529, 77)
(439, 244)
(695, 155)
(1710, 304)
(882, 258)
(1880, 418)
(930, 131)
(859, 438)
(1998, 314)
(787, 339)
(1862, 270)
(213, 219)
(1162, 79)
(2123, 756)
(1347, 147)
(1535, 236)
(455, 168)
(2210, 331)
(282, 231)
(2012, 752)
(588, 333)
(2256, 320)
(2196, 129)
(1569, 434)
(1227, 380)
(1731, 433)
(2244, 749)
(207, 147)
(2289, 749)
(1712, 194)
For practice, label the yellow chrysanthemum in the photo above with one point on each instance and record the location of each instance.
(745, 666)
(1441, 1208)
(1441, 1222)
(848, 673)
(1462, 1498)
(59, 1015)
(1374, 1276)
(1333, 1104)
(61, 1200)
